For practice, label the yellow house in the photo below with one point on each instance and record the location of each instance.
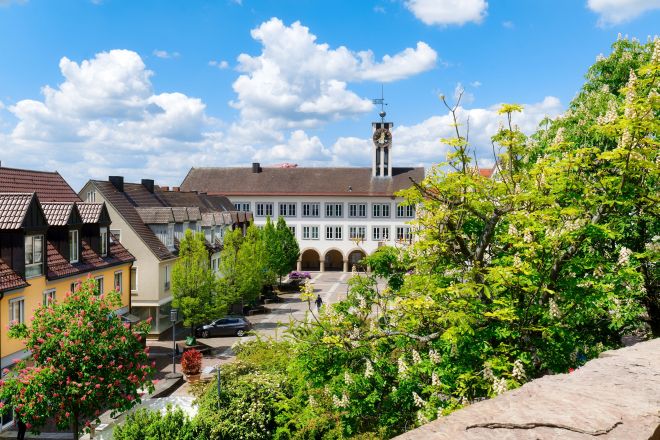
(47, 246)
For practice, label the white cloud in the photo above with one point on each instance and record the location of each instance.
(165, 54)
(613, 12)
(297, 82)
(508, 24)
(420, 143)
(222, 64)
(475, 84)
(299, 148)
(448, 12)
(379, 9)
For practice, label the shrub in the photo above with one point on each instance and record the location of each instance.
(154, 425)
(191, 362)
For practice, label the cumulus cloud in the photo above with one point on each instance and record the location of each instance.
(298, 82)
(613, 12)
(448, 12)
(420, 143)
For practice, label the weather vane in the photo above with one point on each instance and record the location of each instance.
(381, 101)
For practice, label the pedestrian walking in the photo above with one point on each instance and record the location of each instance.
(319, 303)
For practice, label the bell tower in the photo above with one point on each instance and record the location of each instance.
(381, 163)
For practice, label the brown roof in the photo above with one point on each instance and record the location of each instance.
(90, 212)
(10, 280)
(60, 267)
(49, 185)
(155, 216)
(13, 208)
(486, 172)
(125, 203)
(57, 213)
(204, 202)
(299, 181)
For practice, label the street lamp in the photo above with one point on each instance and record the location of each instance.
(174, 317)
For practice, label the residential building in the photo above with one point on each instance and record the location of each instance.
(49, 241)
(150, 221)
(338, 215)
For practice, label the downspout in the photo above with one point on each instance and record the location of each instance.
(2, 296)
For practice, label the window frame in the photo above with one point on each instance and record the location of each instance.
(337, 232)
(167, 279)
(48, 296)
(240, 206)
(358, 229)
(21, 311)
(405, 235)
(130, 281)
(103, 241)
(74, 246)
(266, 209)
(312, 232)
(100, 284)
(382, 207)
(360, 210)
(35, 250)
(334, 209)
(118, 287)
(405, 211)
(380, 236)
(313, 209)
(287, 209)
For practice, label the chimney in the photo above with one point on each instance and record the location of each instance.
(117, 182)
(149, 184)
(176, 188)
(256, 167)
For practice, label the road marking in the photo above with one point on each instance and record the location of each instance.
(317, 276)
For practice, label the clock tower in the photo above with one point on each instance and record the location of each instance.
(381, 164)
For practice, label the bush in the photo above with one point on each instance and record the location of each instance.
(191, 362)
(153, 425)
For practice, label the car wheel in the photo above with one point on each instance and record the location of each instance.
(205, 334)
(240, 333)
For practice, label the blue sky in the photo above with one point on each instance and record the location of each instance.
(150, 88)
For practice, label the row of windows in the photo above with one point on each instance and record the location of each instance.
(17, 305)
(332, 209)
(378, 233)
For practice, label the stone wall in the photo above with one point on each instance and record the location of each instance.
(616, 396)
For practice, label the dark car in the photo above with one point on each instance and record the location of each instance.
(227, 326)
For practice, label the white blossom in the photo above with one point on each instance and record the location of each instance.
(435, 380)
(655, 58)
(416, 357)
(610, 115)
(369, 370)
(555, 312)
(347, 378)
(488, 373)
(418, 400)
(500, 386)
(518, 370)
(421, 418)
(527, 236)
(629, 111)
(340, 403)
(434, 356)
(312, 401)
(559, 137)
(403, 368)
(512, 229)
(624, 255)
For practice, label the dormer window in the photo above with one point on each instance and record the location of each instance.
(103, 248)
(34, 245)
(73, 246)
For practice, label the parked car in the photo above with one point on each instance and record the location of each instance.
(227, 326)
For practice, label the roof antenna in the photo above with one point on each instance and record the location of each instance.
(381, 101)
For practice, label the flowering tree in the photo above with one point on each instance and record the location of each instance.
(85, 361)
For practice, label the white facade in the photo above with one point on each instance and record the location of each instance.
(333, 236)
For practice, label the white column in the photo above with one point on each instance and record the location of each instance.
(389, 162)
(374, 160)
(382, 161)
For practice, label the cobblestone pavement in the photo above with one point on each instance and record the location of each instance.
(332, 286)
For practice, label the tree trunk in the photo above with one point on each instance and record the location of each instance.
(74, 426)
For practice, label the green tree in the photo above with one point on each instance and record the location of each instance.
(252, 265)
(194, 284)
(290, 249)
(84, 361)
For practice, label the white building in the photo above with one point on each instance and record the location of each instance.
(337, 214)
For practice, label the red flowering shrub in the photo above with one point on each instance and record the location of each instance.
(85, 361)
(191, 362)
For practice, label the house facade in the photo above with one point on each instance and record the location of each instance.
(49, 241)
(338, 215)
(150, 221)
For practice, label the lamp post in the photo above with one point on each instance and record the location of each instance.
(174, 317)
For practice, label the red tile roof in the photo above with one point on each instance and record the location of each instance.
(57, 213)
(49, 185)
(60, 267)
(486, 172)
(13, 208)
(90, 212)
(10, 280)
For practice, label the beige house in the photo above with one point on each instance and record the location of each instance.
(150, 221)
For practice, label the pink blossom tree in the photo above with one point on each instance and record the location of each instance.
(84, 361)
